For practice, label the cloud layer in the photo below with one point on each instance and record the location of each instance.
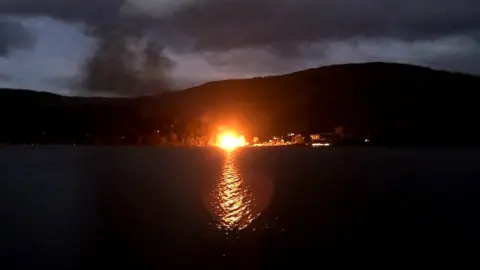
(14, 36)
(235, 38)
(280, 24)
(283, 24)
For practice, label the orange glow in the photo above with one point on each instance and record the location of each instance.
(234, 201)
(229, 141)
(237, 200)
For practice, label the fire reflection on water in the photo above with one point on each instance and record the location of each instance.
(233, 198)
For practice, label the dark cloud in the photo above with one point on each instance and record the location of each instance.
(101, 16)
(5, 77)
(283, 24)
(117, 66)
(14, 35)
(258, 35)
(212, 24)
(467, 61)
(93, 12)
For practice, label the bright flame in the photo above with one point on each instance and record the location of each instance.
(230, 141)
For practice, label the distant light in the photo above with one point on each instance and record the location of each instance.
(367, 140)
(320, 144)
(158, 131)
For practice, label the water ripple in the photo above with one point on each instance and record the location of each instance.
(233, 199)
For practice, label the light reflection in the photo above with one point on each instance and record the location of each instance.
(234, 201)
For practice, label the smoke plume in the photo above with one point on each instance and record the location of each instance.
(127, 63)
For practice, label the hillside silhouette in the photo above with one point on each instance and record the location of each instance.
(394, 104)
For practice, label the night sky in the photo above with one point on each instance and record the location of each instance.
(46, 45)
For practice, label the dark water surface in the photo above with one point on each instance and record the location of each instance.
(149, 208)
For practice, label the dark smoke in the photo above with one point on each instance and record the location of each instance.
(285, 28)
(127, 63)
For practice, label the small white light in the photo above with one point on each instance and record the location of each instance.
(320, 144)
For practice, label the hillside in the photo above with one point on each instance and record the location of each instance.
(391, 102)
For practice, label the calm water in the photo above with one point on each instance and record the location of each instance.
(148, 208)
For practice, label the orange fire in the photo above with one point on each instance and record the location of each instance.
(229, 140)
